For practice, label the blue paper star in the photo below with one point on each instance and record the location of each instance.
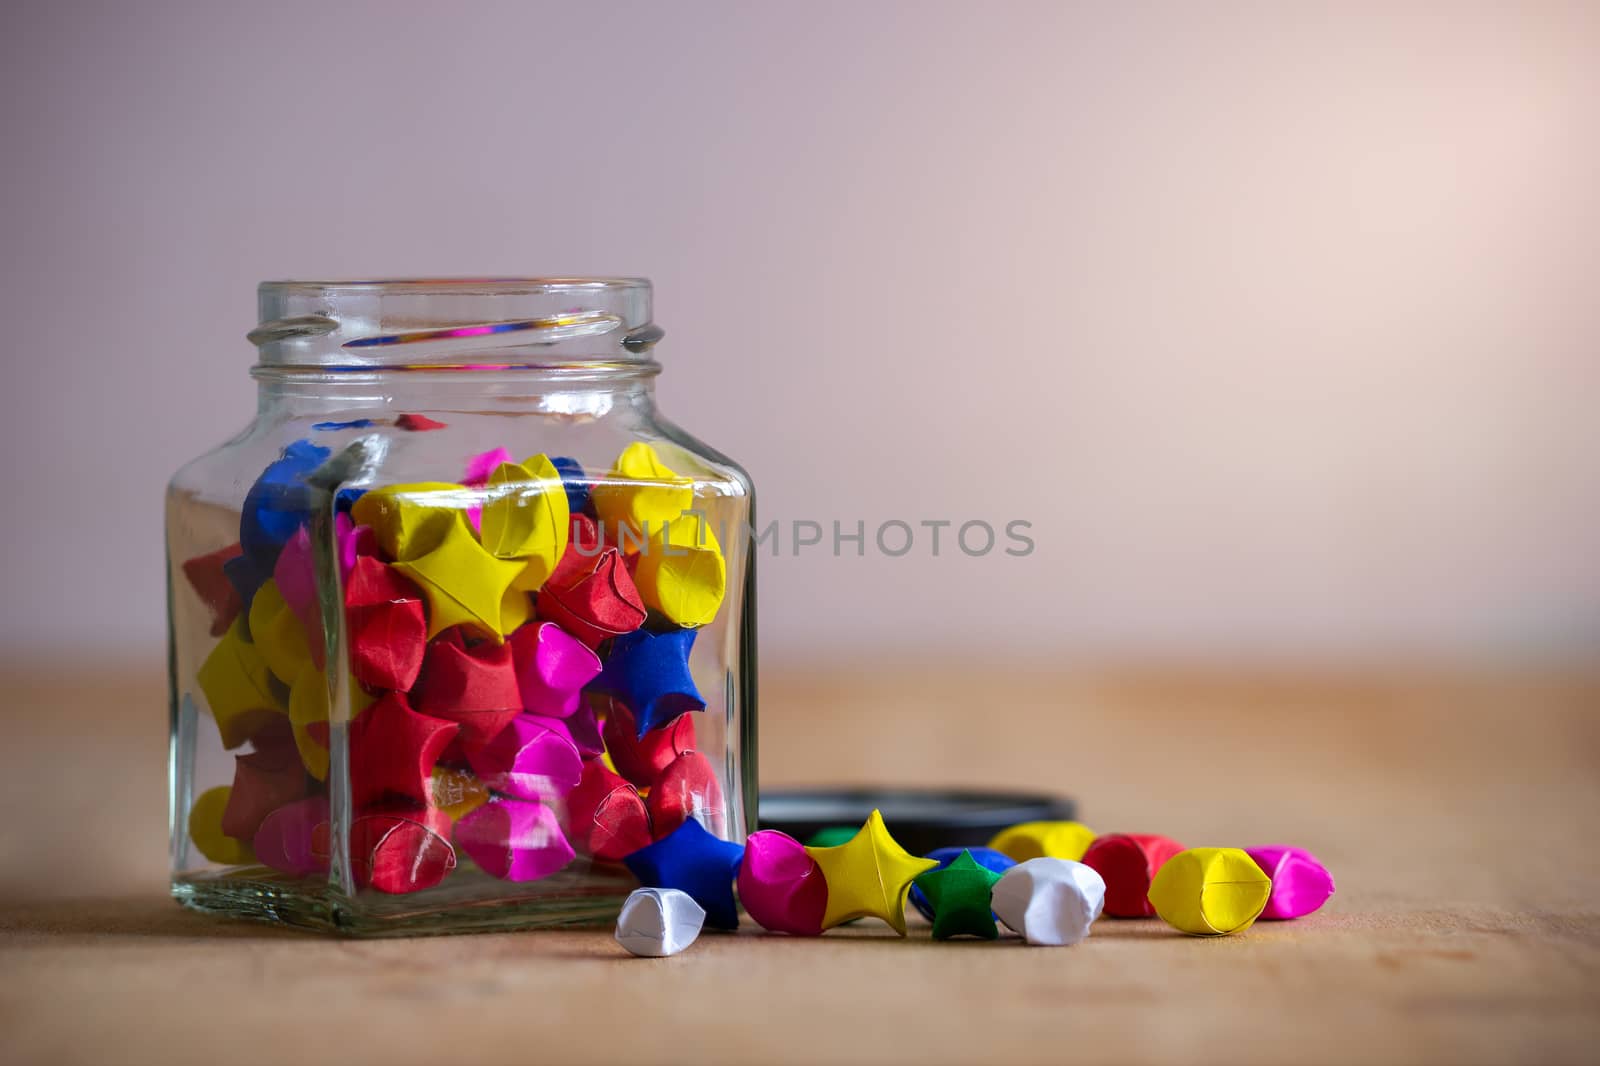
(278, 503)
(987, 858)
(692, 860)
(650, 673)
(574, 480)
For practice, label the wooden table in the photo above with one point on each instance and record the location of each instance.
(1460, 817)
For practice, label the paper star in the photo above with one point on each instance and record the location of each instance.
(657, 922)
(475, 687)
(205, 829)
(781, 886)
(641, 759)
(209, 580)
(1129, 862)
(594, 599)
(1034, 840)
(605, 816)
(641, 492)
(278, 503)
(398, 850)
(277, 635)
(681, 572)
(263, 781)
(238, 688)
(386, 626)
(296, 578)
(528, 759)
(552, 667)
(686, 789)
(514, 840)
(409, 520)
(988, 858)
(1051, 902)
(417, 423)
(574, 480)
(959, 895)
(650, 673)
(1210, 891)
(869, 876)
(525, 517)
(464, 584)
(393, 749)
(285, 840)
(1300, 884)
(480, 466)
(693, 860)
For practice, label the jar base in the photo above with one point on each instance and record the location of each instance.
(472, 902)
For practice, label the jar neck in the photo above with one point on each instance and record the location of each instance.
(589, 391)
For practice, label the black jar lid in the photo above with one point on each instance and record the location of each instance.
(920, 819)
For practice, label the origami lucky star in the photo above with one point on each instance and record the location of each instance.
(480, 466)
(210, 582)
(238, 687)
(687, 788)
(286, 839)
(575, 481)
(475, 687)
(988, 858)
(386, 626)
(869, 876)
(296, 580)
(1129, 862)
(681, 572)
(959, 895)
(205, 829)
(1051, 902)
(657, 922)
(397, 849)
(263, 781)
(277, 634)
(606, 817)
(650, 673)
(693, 860)
(514, 840)
(463, 583)
(393, 750)
(409, 520)
(528, 759)
(641, 759)
(1055, 840)
(552, 667)
(594, 599)
(641, 492)
(525, 517)
(1210, 891)
(1300, 884)
(278, 503)
(781, 886)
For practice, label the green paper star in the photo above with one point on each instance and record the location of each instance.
(959, 895)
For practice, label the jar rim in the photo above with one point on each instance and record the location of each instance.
(409, 323)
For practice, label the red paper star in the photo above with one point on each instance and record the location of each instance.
(393, 750)
(475, 687)
(387, 630)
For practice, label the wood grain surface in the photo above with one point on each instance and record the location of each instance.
(1460, 816)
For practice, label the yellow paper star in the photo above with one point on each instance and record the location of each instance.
(868, 876)
(527, 517)
(641, 491)
(1044, 840)
(458, 792)
(238, 687)
(205, 829)
(409, 521)
(681, 572)
(463, 583)
(1210, 891)
(277, 634)
(308, 705)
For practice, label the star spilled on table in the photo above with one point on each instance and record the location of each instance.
(959, 895)
(869, 876)
(692, 860)
(650, 673)
(463, 583)
(393, 750)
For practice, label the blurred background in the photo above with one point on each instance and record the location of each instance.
(1278, 323)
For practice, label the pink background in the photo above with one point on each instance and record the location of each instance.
(1281, 323)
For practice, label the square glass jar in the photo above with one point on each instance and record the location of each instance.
(459, 622)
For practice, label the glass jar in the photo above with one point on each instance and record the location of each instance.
(459, 622)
